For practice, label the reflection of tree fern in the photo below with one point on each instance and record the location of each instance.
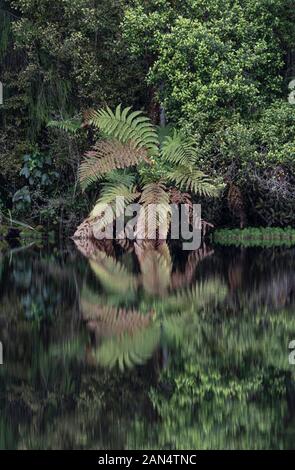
(88, 247)
(155, 267)
(112, 274)
(196, 297)
(128, 351)
(110, 321)
(126, 245)
(84, 232)
(173, 328)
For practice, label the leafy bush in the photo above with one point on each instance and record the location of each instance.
(38, 172)
(210, 60)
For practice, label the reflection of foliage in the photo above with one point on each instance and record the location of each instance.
(223, 424)
(226, 387)
(156, 268)
(37, 298)
(214, 373)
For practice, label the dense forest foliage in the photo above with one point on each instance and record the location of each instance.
(216, 71)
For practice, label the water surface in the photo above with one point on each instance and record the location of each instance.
(122, 346)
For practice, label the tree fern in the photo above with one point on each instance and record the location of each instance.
(107, 156)
(133, 140)
(126, 126)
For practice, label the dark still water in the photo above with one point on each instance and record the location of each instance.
(143, 347)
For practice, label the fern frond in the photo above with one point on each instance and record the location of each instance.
(211, 291)
(179, 149)
(154, 193)
(111, 192)
(173, 329)
(125, 126)
(107, 156)
(181, 278)
(195, 181)
(126, 176)
(70, 126)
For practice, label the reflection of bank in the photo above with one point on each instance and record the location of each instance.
(1, 93)
(1, 354)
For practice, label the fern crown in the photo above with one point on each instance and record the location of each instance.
(133, 141)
